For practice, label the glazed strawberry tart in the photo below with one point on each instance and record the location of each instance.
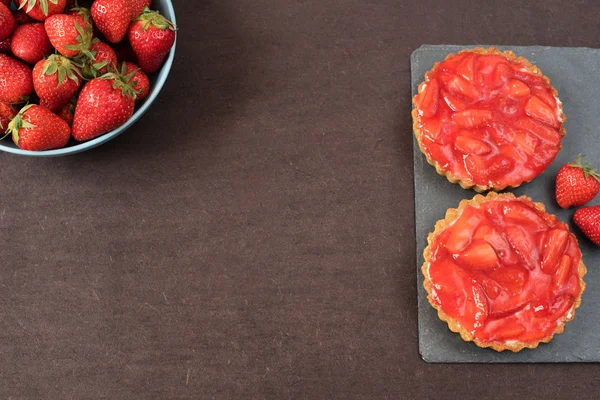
(487, 119)
(503, 273)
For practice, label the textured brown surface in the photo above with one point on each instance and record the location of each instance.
(252, 236)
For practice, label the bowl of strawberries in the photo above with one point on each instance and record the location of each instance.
(75, 74)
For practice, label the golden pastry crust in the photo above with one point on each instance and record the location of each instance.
(451, 215)
(417, 130)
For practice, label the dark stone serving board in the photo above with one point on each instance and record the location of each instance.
(574, 73)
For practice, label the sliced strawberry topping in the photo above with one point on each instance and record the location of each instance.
(561, 276)
(469, 145)
(517, 88)
(554, 246)
(462, 230)
(452, 102)
(472, 118)
(506, 271)
(502, 74)
(480, 256)
(536, 108)
(498, 102)
(561, 306)
(510, 329)
(466, 68)
(431, 94)
(525, 216)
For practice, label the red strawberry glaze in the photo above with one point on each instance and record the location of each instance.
(488, 120)
(505, 271)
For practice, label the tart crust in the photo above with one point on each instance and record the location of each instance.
(452, 215)
(509, 55)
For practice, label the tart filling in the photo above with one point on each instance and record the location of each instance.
(503, 273)
(487, 119)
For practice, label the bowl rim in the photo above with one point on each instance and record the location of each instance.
(80, 147)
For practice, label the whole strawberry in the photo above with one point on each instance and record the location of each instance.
(576, 184)
(7, 113)
(112, 18)
(138, 78)
(15, 80)
(7, 22)
(68, 36)
(138, 6)
(588, 220)
(84, 17)
(56, 80)
(102, 59)
(151, 35)
(36, 128)
(42, 9)
(30, 43)
(104, 104)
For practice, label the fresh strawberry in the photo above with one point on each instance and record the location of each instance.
(138, 6)
(5, 2)
(151, 36)
(36, 128)
(7, 22)
(103, 59)
(104, 104)
(67, 112)
(30, 43)
(7, 113)
(68, 36)
(15, 80)
(5, 46)
(588, 220)
(22, 18)
(42, 9)
(576, 184)
(56, 80)
(138, 79)
(112, 17)
(83, 15)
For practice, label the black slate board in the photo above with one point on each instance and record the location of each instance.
(574, 73)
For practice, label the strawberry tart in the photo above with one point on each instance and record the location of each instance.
(488, 120)
(503, 273)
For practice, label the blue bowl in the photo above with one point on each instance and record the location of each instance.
(157, 80)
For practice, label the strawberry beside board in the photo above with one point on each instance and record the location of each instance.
(85, 64)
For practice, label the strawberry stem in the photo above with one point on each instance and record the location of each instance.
(587, 170)
(149, 17)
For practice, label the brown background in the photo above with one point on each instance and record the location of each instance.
(252, 236)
